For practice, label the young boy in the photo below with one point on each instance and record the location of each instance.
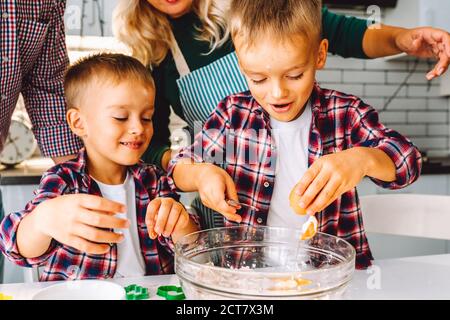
(288, 130)
(99, 216)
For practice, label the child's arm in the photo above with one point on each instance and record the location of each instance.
(75, 220)
(30, 236)
(384, 155)
(212, 184)
(195, 168)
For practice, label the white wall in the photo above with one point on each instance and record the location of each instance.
(91, 25)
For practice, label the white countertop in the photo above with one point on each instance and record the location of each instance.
(416, 278)
(422, 278)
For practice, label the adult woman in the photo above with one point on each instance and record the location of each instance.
(186, 44)
(204, 55)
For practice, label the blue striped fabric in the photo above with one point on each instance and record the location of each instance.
(200, 93)
(203, 89)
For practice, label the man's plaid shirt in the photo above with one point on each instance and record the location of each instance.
(62, 262)
(237, 137)
(33, 59)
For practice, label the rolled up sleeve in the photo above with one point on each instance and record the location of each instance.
(43, 91)
(367, 131)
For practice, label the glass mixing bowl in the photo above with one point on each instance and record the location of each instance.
(246, 262)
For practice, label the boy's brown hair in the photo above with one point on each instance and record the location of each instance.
(281, 19)
(111, 68)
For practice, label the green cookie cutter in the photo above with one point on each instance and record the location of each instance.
(135, 292)
(171, 293)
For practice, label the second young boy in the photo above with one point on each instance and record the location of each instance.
(287, 131)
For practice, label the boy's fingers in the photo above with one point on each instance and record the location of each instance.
(324, 197)
(152, 211)
(337, 194)
(231, 188)
(101, 220)
(87, 246)
(229, 212)
(100, 204)
(313, 189)
(163, 214)
(183, 220)
(152, 234)
(97, 235)
(172, 220)
(220, 204)
(307, 178)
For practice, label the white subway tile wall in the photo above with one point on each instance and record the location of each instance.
(418, 111)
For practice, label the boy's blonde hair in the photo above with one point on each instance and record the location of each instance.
(148, 32)
(280, 19)
(111, 68)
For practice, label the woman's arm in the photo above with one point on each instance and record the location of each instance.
(351, 37)
(426, 42)
(158, 152)
(345, 34)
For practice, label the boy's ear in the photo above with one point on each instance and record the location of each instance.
(322, 56)
(76, 122)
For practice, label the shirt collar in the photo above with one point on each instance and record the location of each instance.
(81, 161)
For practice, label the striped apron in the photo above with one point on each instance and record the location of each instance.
(200, 93)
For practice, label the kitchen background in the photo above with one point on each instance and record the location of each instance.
(396, 87)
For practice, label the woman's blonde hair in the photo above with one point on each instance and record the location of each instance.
(148, 33)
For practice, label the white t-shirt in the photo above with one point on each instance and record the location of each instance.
(292, 141)
(130, 262)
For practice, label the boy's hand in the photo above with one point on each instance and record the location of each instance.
(215, 186)
(76, 220)
(165, 216)
(329, 177)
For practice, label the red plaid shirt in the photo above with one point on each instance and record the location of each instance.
(62, 262)
(339, 122)
(33, 60)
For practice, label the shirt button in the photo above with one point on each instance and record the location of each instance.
(5, 59)
(5, 15)
(3, 97)
(259, 220)
(266, 184)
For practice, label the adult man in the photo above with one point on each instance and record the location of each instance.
(33, 59)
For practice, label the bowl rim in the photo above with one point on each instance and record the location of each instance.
(179, 255)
